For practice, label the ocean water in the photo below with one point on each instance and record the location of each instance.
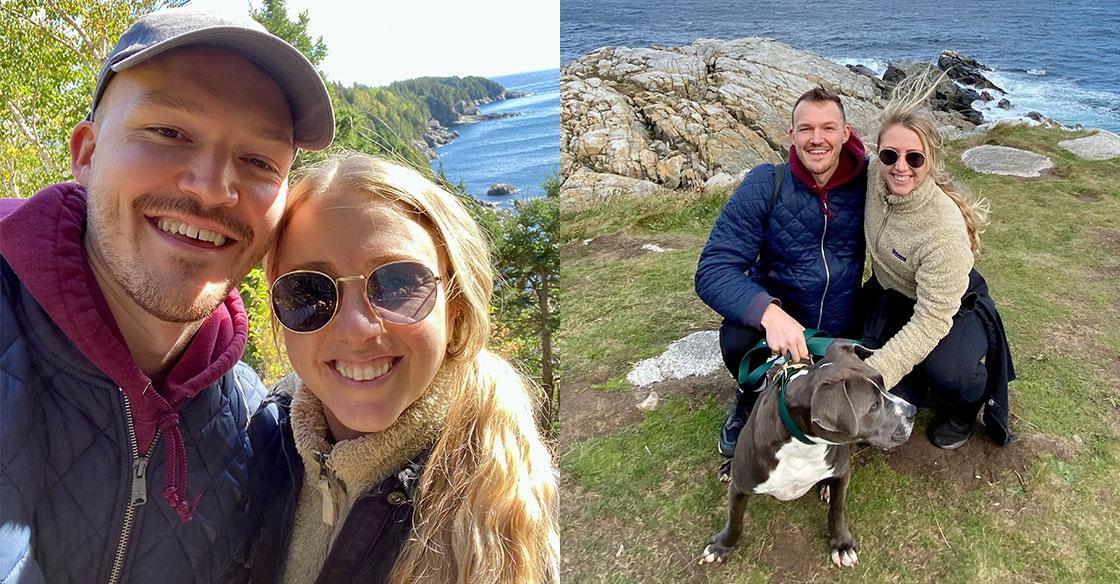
(522, 150)
(1060, 58)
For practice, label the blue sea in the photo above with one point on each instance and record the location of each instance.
(1060, 58)
(522, 150)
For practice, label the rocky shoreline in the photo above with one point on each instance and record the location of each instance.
(639, 120)
(467, 112)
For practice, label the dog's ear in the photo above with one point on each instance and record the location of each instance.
(843, 348)
(833, 409)
(862, 352)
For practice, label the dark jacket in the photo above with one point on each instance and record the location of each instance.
(84, 495)
(810, 257)
(371, 537)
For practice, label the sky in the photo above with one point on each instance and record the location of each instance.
(377, 42)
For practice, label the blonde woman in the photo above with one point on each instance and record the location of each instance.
(409, 452)
(928, 308)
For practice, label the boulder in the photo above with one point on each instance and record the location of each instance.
(965, 70)
(1100, 146)
(984, 95)
(500, 189)
(862, 70)
(1004, 104)
(695, 355)
(989, 159)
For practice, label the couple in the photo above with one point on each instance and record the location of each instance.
(136, 448)
(787, 253)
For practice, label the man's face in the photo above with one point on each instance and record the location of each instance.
(819, 133)
(186, 167)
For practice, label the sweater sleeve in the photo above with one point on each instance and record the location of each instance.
(941, 280)
(722, 274)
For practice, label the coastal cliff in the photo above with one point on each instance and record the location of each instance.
(639, 120)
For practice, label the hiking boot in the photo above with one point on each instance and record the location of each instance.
(733, 425)
(949, 432)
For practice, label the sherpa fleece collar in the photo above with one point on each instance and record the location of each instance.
(42, 241)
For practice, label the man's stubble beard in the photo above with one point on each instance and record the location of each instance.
(159, 294)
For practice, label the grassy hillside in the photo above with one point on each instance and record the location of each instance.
(640, 491)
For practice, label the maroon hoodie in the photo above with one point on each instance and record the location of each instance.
(41, 238)
(849, 166)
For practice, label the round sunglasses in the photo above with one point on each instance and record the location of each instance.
(305, 301)
(914, 159)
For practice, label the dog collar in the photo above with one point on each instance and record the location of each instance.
(783, 411)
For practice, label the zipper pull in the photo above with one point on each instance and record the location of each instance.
(324, 486)
(139, 481)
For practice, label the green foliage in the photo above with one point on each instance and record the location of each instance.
(51, 53)
(273, 14)
(527, 290)
(262, 353)
(442, 93)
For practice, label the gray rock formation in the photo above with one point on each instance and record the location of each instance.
(1007, 161)
(644, 119)
(500, 189)
(966, 70)
(1100, 146)
(695, 355)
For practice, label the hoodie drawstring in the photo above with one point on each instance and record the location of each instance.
(175, 479)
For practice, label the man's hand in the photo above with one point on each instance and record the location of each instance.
(783, 333)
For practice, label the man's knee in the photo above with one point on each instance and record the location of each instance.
(735, 340)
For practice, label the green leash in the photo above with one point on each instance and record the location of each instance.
(759, 360)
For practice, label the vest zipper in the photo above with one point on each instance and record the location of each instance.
(139, 491)
(883, 225)
(827, 275)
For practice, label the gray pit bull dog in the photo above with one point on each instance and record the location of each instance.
(836, 402)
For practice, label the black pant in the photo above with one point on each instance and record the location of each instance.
(954, 372)
(735, 340)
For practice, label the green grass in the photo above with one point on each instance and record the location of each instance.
(1052, 259)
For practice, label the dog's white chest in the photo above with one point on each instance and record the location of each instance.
(800, 466)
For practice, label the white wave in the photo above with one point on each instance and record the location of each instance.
(1036, 72)
(877, 65)
(1056, 99)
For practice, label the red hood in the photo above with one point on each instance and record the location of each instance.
(41, 239)
(850, 165)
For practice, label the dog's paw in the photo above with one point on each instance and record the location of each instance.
(844, 555)
(714, 554)
(826, 493)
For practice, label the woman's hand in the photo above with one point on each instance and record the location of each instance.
(784, 333)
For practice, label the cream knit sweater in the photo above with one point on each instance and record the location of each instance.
(920, 247)
(351, 467)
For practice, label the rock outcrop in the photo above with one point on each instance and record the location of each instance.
(501, 189)
(644, 119)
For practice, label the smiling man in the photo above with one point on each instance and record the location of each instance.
(786, 253)
(124, 454)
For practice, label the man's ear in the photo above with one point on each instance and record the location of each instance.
(833, 409)
(847, 133)
(83, 139)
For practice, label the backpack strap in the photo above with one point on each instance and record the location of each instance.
(779, 174)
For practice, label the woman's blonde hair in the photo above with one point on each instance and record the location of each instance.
(484, 509)
(904, 108)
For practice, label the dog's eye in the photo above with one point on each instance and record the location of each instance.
(875, 405)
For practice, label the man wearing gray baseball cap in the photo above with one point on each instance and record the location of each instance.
(124, 412)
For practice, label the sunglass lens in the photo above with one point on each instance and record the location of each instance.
(888, 157)
(402, 293)
(915, 159)
(304, 301)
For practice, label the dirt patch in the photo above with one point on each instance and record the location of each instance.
(979, 463)
(1088, 196)
(586, 412)
(621, 246)
(791, 553)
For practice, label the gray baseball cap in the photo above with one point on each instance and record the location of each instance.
(161, 31)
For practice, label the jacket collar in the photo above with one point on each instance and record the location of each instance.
(42, 240)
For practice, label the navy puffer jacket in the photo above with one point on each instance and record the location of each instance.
(810, 258)
(67, 466)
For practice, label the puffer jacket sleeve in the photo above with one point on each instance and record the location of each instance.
(722, 279)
